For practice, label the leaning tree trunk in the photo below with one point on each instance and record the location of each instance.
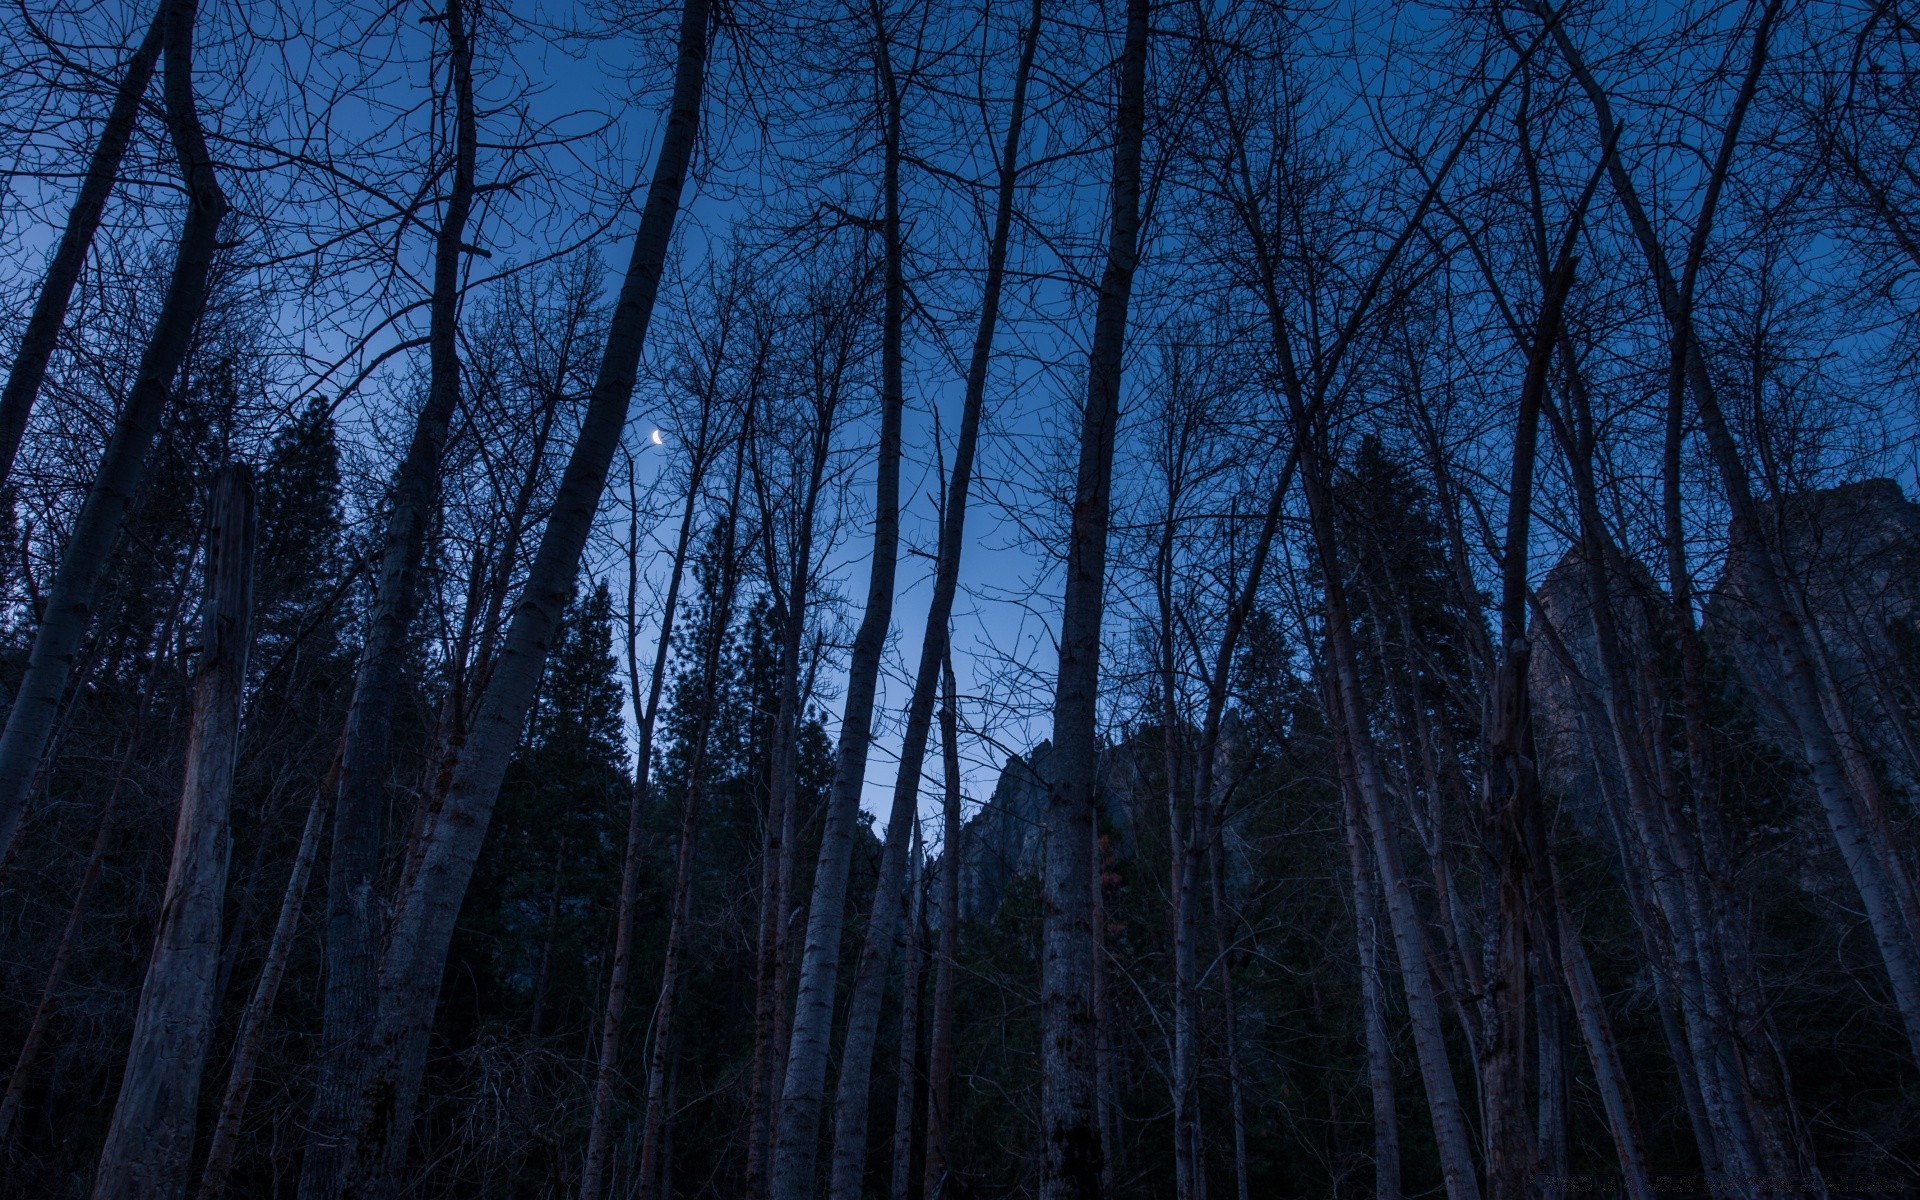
(69, 607)
(247, 1043)
(940, 1048)
(422, 927)
(907, 1061)
(803, 1091)
(354, 914)
(863, 1014)
(1373, 999)
(70, 256)
(150, 1136)
(1071, 1158)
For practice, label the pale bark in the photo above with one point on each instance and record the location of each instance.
(1596, 1031)
(150, 1136)
(940, 1050)
(907, 1060)
(1373, 998)
(850, 1101)
(252, 1036)
(410, 975)
(780, 826)
(355, 915)
(803, 1091)
(68, 610)
(1070, 1139)
(42, 334)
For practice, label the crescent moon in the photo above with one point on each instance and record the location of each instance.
(657, 439)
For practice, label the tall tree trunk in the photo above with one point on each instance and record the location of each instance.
(1423, 1010)
(907, 1061)
(150, 1136)
(850, 1101)
(778, 831)
(1616, 1099)
(70, 601)
(1515, 818)
(252, 1035)
(803, 1092)
(425, 914)
(42, 333)
(1373, 998)
(1071, 1158)
(1229, 1012)
(355, 916)
(940, 1051)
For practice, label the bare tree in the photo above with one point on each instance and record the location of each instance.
(69, 604)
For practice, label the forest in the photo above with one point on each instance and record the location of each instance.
(960, 599)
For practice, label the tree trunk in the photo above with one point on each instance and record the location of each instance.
(150, 1136)
(382, 1107)
(252, 1036)
(907, 1061)
(940, 1053)
(1373, 997)
(1071, 1158)
(355, 916)
(1616, 1099)
(850, 1106)
(70, 601)
(803, 1092)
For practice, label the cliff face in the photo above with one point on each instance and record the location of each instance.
(1572, 735)
(1852, 555)
(1004, 840)
(1852, 559)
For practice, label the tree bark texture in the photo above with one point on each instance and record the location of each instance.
(1070, 1141)
(150, 1136)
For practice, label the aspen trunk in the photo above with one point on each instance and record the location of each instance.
(1070, 1141)
(1597, 1032)
(70, 602)
(1366, 923)
(355, 916)
(410, 975)
(150, 1136)
(796, 1145)
(42, 334)
(940, 1052)
(1443, 1099)
(252, 1036)
(907, 1061)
